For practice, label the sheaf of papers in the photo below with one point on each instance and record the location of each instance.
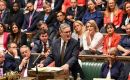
(47, 69)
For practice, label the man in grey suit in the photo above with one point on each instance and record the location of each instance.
(65, 52)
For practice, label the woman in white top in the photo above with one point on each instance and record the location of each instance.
(92, 39)
(79, 29)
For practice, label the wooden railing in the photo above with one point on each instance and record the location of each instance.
(102, 58)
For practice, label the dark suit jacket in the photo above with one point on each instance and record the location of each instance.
(34, 22)
(123, 23)
(57, 4)
(51, 18)
(30, 65)
(123, 19)
(10, 62)
(80, 12)
(4, 16)
(70, 57)
(16, 16)
(38, 46)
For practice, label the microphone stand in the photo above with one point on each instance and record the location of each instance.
(35, 64)
(37, 77)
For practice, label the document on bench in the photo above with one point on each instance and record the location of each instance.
(47, 69)
(102, 79)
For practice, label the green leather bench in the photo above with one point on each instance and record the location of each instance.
(91, 64)
(91, 69)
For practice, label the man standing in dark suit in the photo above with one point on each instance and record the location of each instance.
(65, 52)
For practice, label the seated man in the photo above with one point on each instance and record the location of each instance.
(12, 59)
(124, 44)
(27, 61)
(112, 68)
(43, 44)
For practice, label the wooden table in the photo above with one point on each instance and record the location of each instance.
(42, 75)
(2, 78)
(27, 78)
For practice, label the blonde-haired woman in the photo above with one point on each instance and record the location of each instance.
(92, 39)
(113, 14)
(79, 29)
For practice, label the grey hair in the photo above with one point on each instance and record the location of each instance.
(25, 46)
(63, 26)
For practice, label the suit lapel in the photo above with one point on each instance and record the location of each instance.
(58, 48)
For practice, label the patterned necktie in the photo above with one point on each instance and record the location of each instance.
(63, 53)
(45, 47)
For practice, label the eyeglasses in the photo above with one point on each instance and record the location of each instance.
(67, 32)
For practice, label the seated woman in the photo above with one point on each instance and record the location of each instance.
(3, 37)
(93, 13)
(92, 39)
(48, 16)
(124, 44)
(111, 39)
(79, 29)
(17, 36)
(126, 16)
(112, 14)
(112, 68)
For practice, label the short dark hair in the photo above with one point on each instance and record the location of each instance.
(60, 12)
(110, 24)
(40, 23)
(43, 32)
(30, 2)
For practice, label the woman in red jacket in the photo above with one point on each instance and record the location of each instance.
(113, 14)
(111, 39)
(3, 37)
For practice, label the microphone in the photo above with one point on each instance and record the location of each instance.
(38, 57)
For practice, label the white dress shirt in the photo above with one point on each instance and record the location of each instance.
(95, 42)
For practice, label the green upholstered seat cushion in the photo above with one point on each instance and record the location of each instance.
(91, 69)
